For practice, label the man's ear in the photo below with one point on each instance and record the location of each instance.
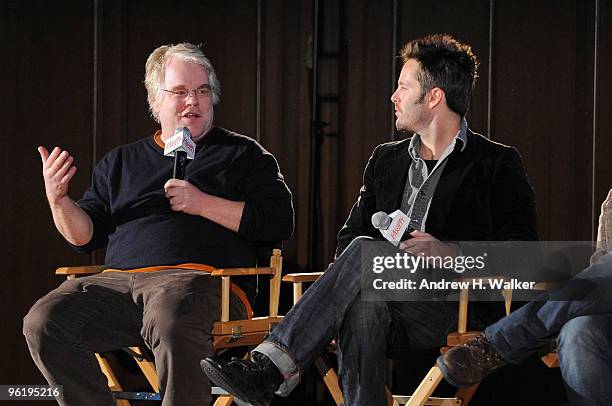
(155, 106)
(436, 97)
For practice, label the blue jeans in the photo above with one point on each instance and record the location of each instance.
(583, 328)
(366, 331)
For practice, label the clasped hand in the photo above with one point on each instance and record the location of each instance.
(427, 245)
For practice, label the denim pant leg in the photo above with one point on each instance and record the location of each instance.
(532, 326)
(315, 320)
(585, 356)
(371, 330)
(362, 350)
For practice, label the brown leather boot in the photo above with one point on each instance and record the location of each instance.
(470, 362)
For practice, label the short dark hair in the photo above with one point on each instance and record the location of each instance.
(445, 63)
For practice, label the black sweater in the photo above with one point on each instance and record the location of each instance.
(132, 216)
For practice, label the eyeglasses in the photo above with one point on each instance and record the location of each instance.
(200, 92)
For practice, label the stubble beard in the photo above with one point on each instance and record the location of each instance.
(206, 128)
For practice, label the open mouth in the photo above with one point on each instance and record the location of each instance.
(191, 115)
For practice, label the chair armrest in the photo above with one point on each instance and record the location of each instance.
(302, 277)
(225, 274)
(79, 270)
(275, 270)
(297, 279)
(243, 271)
(225, 284)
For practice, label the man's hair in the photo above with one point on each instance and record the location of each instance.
(445, 63)
(155, 70)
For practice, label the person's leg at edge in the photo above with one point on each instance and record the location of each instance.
(585, 357)
(531, 327)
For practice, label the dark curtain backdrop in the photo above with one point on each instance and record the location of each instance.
(72, 70)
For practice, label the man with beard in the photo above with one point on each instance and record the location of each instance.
(454, 184)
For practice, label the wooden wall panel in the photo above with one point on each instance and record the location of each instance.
(542, 105)
(467, 21)
(111, 95)
(602, 148)
(47, 76)
(287, 25)
(366, 53)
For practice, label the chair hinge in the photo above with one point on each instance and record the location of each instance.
(236, 334)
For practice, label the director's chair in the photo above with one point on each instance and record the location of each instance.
(422, 395)
(227, 334)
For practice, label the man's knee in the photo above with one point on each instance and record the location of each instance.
(54, 315)
(583, 335)
(38, 323)
(355, 246)
(584, 353)
(32, 323)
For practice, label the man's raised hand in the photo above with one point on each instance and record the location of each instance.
(58, 170)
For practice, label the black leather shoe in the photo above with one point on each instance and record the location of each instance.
(470, 362)
(253, 382)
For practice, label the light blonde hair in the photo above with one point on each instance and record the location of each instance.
(155, 70)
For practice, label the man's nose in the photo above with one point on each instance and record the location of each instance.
(192, 98)
(394, 97)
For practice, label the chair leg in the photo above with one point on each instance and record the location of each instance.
(426, 387)
(330, 378)
(148, 369)
(113, 383)
(465, 394)
(390, 400)
(224, 400)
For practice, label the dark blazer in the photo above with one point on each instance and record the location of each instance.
(483, 194)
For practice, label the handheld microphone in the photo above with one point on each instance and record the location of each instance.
(391, 226)
(182, 148)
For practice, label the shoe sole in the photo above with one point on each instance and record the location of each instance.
(219, 380)
(448, 376)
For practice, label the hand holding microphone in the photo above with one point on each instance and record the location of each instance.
(183, 195)
(391, 226)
